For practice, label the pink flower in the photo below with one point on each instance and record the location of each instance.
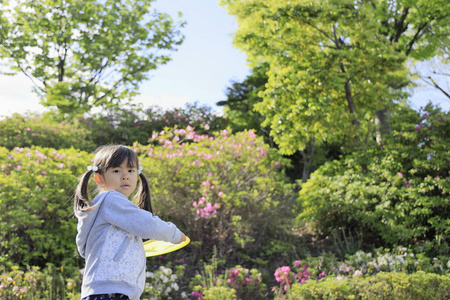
(207, 127)
(281, 274)
(297, 263)
(400, 174)
(19, 167)
(43, 172)
(357, 273)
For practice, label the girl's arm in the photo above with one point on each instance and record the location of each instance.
(124, 214)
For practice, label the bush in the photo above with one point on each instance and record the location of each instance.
(396, 193)
(128, 125)
(400, 260)
(36, 284)
(233, 283)
(35, 130)
(387, 286)
(36, 203)
(225, 190)
(162, 283)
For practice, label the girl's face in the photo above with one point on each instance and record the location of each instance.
(122, 179)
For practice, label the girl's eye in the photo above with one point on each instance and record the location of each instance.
(116, 171)
(131, 171)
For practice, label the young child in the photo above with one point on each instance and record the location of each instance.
(111, 228)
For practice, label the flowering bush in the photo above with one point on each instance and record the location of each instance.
(234, 283)
(389, 194)
(399, 260)
(224, 190)
(133, 124)
(36, 284)
(36, 189)
(286, 276)
(35, 130)
(163, 283)
(387, 286)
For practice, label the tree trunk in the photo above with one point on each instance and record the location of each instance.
(308, 160)
(382, 124)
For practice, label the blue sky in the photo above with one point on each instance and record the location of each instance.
(201, 69)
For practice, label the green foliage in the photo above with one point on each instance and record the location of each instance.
(162, 283)
(237, 282)
(386, 286)
(84, 54)
(36, 189)
(220, 293)
(225, 190)
(331, 67)
(391, 194)
(241, 100)
(36, 284)
(34, 130)
(133, 124)
(334, 63)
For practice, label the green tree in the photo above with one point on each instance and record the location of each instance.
(397, 193)
(84, 54)
(239, 107)
(334, 64)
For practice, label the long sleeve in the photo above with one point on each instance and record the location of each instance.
(124, 214)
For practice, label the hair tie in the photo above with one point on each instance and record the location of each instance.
(140, 169)
(92, 168)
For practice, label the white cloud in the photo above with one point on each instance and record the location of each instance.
(16, 96)
(165, 101)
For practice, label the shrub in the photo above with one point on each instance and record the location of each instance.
(395, 193)
(233, 283)
(36, 284)
(387, 286)
(128, 125)
(36, 189)
(35, 130)
(163, 282)
(225, 190)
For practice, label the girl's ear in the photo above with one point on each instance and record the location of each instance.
(99, 179)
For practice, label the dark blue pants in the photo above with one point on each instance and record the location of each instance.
(106, 297)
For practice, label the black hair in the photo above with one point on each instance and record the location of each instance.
(111, 156)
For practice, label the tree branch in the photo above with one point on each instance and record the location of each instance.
(416, 37)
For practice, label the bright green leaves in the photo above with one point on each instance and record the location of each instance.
(394, 193)
(333, 64)
(83, 54)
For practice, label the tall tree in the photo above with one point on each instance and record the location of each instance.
(334, 63)
(241, 100)
(83, 54)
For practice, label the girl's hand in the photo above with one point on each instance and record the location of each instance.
(183, 238)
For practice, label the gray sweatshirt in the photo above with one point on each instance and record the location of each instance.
(110, 240)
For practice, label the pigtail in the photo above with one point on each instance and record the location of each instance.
(81, 199)
(143, 195)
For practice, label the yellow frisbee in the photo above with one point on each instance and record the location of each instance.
(154, 248)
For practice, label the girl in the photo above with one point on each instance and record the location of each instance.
(111, 228)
